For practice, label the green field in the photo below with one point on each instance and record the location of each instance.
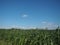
(29, 37)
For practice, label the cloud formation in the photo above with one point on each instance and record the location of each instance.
(49, 25)
(24, 16)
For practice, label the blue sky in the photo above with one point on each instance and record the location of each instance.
(29, 13)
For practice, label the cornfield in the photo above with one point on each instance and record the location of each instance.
(29, 37)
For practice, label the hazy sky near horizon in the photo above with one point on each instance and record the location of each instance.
(29, 13)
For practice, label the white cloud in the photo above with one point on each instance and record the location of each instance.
(44, 22)
(27, 27)
(49, 25)
(24, 16)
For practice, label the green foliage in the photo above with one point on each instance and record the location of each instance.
(29, 37)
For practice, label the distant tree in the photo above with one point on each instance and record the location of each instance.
(57, 34)
(12, 28)
(46, 28)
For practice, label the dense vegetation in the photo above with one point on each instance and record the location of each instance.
(29, 37)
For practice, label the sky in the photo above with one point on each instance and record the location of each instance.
(29, 13)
